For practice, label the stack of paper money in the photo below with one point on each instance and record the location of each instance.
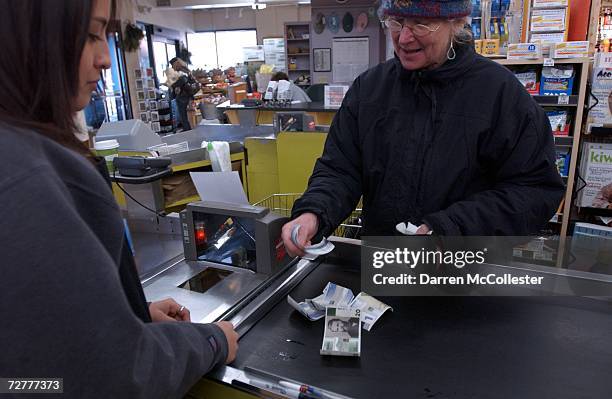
(342, 336)
(340, 297)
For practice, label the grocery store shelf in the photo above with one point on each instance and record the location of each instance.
(565, 141)
(540, 61)
(557, 101)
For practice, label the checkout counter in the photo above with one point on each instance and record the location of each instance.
(156, 241)
(461, 347)
(171, 192)
(264, 114)
(226, 262)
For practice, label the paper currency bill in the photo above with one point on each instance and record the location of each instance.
(333, 295)
(408, 229)
(371, 309)
(306, 309)
(312, 251)
(341, 297)
(342, 336)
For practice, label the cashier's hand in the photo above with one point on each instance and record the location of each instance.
(232, 339)
(168, 310)
(310, 225)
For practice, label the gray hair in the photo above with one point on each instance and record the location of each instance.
(461, 34)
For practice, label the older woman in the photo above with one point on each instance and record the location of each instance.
(438, 136)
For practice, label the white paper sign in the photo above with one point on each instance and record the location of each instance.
(283, 91)
(351, 56)
(333, 95)
(270, 90)
(274, 53)
(253, 53)
(219, 187)
(563, 100)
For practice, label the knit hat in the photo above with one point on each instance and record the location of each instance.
(425, 8)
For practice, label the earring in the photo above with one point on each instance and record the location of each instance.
(451, 54)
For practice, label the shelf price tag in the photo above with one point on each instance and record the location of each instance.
(563, 100)
(549, 62)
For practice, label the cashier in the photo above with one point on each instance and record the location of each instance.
(438, 136)
(72, 305)
(297, 94)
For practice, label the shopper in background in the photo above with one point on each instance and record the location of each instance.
(297, 94)
(231, 77)
(72, 305)
(437, 136)
(183, 89)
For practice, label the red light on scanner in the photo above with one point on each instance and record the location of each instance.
(200, 236)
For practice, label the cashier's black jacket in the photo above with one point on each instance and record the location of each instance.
(463, 148)
(72, 306)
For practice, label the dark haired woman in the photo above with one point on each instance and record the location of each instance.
(71, 303)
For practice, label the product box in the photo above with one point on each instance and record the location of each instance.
(570, 50)
(529, 80)
(547, 20)
(596, 170)
(334, 94)
(557, 81)
(603, 60)
(525, 51)
(490, 47)
(478, 46)
(549, 3)
(599, 100)
(547, 40)
(559, 122)
(593, 229)
(563, 161)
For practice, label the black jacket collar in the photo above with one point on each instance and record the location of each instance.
(448, 71)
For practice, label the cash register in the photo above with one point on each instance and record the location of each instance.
(230, 253)
(242, 236)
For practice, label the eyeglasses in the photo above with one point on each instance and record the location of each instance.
(418, 30)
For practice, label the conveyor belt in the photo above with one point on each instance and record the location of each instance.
(445, 347)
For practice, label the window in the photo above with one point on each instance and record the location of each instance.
(220, 49)
(163, 52)
(203, 49)
(171, 51)
(230, 44)
(110, 102)
(161, 59)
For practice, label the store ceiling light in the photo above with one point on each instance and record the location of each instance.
(258, 6)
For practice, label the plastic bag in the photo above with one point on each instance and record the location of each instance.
(219, 154)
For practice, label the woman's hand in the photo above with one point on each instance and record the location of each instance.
(168, 310)
(422, 230)
(309, 223)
